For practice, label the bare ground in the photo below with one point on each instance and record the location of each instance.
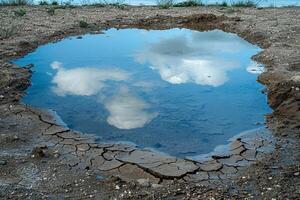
(41, 160)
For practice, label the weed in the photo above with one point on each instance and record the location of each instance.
(54, 3)
(224, 4)
(189, 3)
(7, 31)
(51, 11)
(164, 4)
(43, 3)
(20, 12)
(83, 24)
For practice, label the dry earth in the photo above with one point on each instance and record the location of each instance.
(39, 159)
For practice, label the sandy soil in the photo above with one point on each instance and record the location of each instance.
(39, 159)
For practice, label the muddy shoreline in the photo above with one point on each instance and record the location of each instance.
(40, 159)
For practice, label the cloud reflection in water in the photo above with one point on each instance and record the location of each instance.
(84, 81)
(126, 111)
(198, 58)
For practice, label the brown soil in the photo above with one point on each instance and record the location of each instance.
(41, 160)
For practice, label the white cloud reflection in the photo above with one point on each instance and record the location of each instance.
(127, 111)
(83, 81)
(199, 58)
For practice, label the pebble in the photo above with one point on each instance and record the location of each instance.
(3, 162)
(117, 187)
(154, 185)
(144, 182)
(296, 173)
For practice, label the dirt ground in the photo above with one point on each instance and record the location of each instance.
(39, 159)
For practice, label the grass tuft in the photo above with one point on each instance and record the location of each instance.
(43, 3)
(83, 24)
(6, 31)
(51, 11)
(164, 4)
(54, 3)
(189, 3)
(20, 12)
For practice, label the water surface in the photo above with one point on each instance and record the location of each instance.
(179, 91)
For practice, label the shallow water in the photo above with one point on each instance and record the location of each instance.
(179, 91)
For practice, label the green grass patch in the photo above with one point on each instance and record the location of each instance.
(20, 12)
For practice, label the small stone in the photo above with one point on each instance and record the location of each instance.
(296, 173)
(117, 187)
(144, 182)
(155, 185)
(3, 162)
(99, 178)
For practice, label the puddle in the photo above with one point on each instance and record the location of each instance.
(178, 91)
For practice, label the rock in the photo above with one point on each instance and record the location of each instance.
(296, 173)
(38, 152)
(144, 182)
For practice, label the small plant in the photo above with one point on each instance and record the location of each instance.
(98, 4)
(51, 11)
(54, 3)
(224, 4)
(164, 4)
(244, 3)
(83, 24)
(119, 5)
(189, 3)
(43, 3)
(7, 31)
(20, 12)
